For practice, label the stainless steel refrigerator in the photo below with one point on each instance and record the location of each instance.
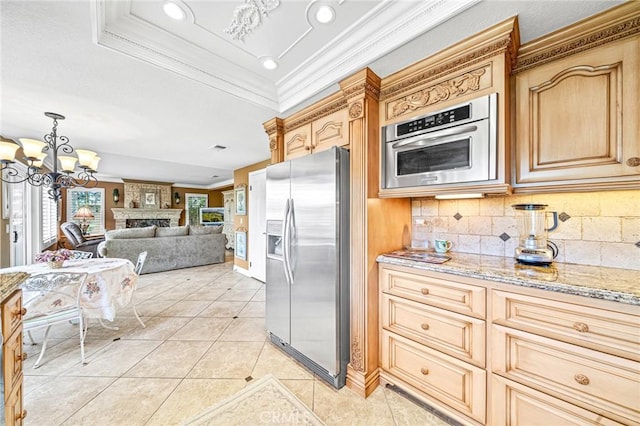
(307, 286)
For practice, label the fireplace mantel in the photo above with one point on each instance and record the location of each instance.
(121, 215)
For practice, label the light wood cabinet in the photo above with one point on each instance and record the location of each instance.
(12, 358)
(541, 357)
(577, 110)
(332, 130)
(433, 339)
(585, 358)
(228, 200)
(515, 404)
(297, 142)
(317, 136)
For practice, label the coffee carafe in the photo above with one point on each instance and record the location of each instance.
(533, 246)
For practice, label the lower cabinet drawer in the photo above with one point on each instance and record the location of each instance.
(458, 384)
(599, 382)
(12, 361)
(454, 334)
(515, 404)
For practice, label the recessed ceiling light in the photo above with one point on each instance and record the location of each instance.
(325, 14)
(269, 63)
(174, 11)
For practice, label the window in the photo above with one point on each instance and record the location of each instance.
(49, 219)
(194, 202)
(91, 198)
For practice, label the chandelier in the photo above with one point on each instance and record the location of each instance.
(36, 151)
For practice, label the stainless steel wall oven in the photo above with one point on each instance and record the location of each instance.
(454, 145)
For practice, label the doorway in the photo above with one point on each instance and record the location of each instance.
(257, 225)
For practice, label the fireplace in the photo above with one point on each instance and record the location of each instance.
(134, 218)
(141, 223)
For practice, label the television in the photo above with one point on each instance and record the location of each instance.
(211, 216)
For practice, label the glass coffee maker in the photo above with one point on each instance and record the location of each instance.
(533, 246)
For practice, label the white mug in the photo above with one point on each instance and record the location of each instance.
(443, 246)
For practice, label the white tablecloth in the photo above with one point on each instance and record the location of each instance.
(110, 283)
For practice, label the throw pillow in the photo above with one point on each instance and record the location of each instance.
(205, 230)
(172, 231)
(123, 234)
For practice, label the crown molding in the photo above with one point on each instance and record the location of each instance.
(387, 26)
(115, 28)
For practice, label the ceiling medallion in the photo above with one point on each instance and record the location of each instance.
(248, 16)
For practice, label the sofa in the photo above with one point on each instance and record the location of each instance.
(168, 248)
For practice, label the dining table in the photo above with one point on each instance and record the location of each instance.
(109, 285)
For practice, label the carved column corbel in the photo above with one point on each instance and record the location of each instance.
(275, 130)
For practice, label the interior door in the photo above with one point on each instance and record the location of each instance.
(257, 224)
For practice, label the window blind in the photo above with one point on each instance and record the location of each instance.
(49, 219)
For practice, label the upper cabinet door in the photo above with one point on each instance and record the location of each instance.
(297, 142)
(577, 120)
(332, 130)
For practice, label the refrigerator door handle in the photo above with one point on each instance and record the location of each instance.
(285, 242)
(291, 244)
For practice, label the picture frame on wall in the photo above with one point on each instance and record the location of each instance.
(150, 198)
(241, 245)
(241, 200)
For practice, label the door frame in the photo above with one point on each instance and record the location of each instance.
(257, 225)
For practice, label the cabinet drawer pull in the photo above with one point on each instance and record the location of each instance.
(582, 379)
(581, 327)
(424, 326)
(633, 162)
(22, 415)
(424, 371)
(21, 357)
(307, 148)
(424, 291)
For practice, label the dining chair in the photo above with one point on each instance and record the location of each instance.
(53, 298)
(138, 269)
(77, 254)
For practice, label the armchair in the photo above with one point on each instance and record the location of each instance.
(77, 240)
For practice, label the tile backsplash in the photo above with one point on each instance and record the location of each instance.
(594, 228)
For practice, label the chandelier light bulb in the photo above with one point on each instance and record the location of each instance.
(85, 157)
(67, 163)
(8, 151)
(31, 147)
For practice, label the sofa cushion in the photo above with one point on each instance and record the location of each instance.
(172, 231)
(205, 230)
(124, 234)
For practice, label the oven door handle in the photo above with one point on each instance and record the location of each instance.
(438, 135)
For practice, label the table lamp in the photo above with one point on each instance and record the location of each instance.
(84, 214)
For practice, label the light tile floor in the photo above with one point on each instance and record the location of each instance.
(205, 336)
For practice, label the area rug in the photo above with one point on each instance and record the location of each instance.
(265, 402)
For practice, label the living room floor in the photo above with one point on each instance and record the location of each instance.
(204, 341)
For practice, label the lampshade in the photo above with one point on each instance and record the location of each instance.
(32, 147)
(85, 157)
(8, 151)
(83, 213)
(67, 163)
(93, 165)
(39, 160)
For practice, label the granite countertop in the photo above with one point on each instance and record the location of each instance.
(619, 285)
(9, 282)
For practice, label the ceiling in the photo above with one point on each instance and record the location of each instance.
(157, 97)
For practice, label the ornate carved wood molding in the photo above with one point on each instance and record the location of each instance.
(274, 128)
(448, 89)
(328, 109)
(611, 25)
(502, 38)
